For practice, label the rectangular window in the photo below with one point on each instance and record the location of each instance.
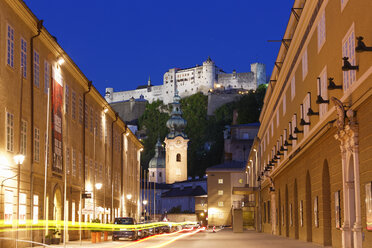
(323, 92)
(292, 127)
(321, 31)
(36, 69)
(74, 162)
(10, 46)
(305, 117)
(67, 98)
(23, 137)
(348, 50)
(338, 210)
(22, 208)
(86, 168)
(80, 165)
(73, 105)
(86, 115)
(220, 192)
(316, 212)
(91, 120)
(8, 207)
(284, 103)
(304, 64)
(35, 214)
(277, 118)
(301, 213)
(37, 145)
(46, 76)
(220, 204)
(369, 206)
(272, 129)
(9, 132)
(81, 110)
(220, 181)
(24, 57)
(73, 213)
(67, 163)
(290, 215)
(293, 87)
(268, 212)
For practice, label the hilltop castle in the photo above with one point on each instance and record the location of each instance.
(201, 78)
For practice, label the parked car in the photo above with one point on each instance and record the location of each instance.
(126, 233)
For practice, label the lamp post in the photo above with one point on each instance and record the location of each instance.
(129, 196)
(97, 186)
(18, 159)
(145, 203)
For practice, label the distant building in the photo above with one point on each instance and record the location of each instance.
(130, 110)
(201, 78)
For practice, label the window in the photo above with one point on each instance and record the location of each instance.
(159, 174)
(220, 181)
(46, 76)
(338, 210)
(348, 50)
(245, 136)
(8, 207)
(10, 47)
(74, 162)
(67, 163)
(277, 118)
(73, 105)
(321, 31)
(220, 204)
(24, 57)
(220, 192)
(284, 103)
(292, 127)
(268, 212)
(36, 69)
(22, 208)
(264, 213)
(316, 212)
(304, 116)
(80, 110)
(304, 64)
(369, 206)
(35, 214)
(322, 91)
(290, 215)
(293, 87)
(178, 157)
(23, 137)
(86, 115)
(272, 129)
(91, 120)
(80, 166)
(73, 213)
(67, 98)
(37, 145)
(301, 213)
(9, 132)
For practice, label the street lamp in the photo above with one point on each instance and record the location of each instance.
(18, 159)
(145, 203)
(97, 186)
(129, 196)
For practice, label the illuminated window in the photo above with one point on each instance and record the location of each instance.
(293, 87)
(348, 50)
(37, 145)
(178, 157)
(10, 46)
(46, 76)
(73, 213)
(369, 206)
(35, 214)
(22, 208)
(36, 69)
(8, 207)
(304, 64)
(9, 132)
(220, 181)
(322, 91)
(220, 192)
(220, 204)
(23, 137)
(321, 31)
(24, 57)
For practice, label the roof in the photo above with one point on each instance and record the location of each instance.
(144, 86)
(158, 186)
(255, 124)
(186, 191)
(228, 166)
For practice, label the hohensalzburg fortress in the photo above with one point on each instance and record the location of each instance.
(189, 81)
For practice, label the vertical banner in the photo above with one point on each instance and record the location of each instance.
(57, 108)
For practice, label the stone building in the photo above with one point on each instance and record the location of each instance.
(55, 118)
(201, 78)
(157, 165)
(311, 159)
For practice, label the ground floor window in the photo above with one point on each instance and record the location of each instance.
(369, 205)
(35, 214)
(22, 208)
(8, 207)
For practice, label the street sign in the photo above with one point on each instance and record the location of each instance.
(86, 195)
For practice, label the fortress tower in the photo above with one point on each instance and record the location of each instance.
(176, 145)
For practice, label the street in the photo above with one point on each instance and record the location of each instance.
(193, 239)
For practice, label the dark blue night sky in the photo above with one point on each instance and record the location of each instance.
(120, 43)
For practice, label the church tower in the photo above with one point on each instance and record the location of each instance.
(176, 145)
(157, 165)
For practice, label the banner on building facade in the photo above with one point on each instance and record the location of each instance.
(57, 108)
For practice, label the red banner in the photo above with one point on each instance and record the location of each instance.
(57, 108)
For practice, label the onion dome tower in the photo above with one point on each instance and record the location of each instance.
(176, 145)
(157, 165)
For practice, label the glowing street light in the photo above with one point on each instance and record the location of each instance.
(18, 159)
(129, 196)
(60, 60)
(98, 186)
(144, 202)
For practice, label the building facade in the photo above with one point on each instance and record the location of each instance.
(311, 158)
(70, 138)
(201, 78)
